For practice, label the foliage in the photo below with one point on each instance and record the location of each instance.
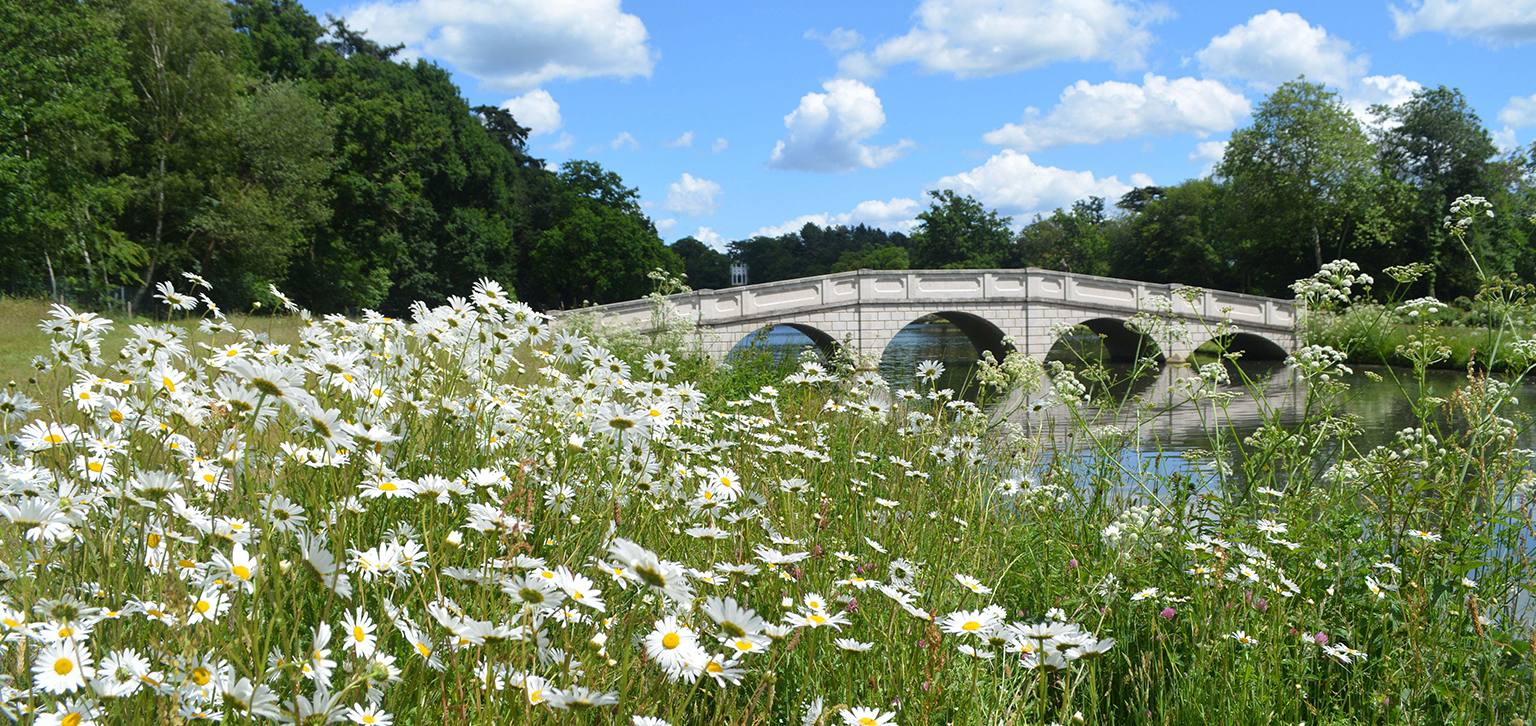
(958, 232)
(503, 520)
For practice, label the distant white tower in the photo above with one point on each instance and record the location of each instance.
(738, 273)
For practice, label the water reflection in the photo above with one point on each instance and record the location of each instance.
(1264, 393)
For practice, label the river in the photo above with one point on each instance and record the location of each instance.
(1378, 395)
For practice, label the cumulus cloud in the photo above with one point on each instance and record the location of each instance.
(980, 38)
(1091, 114)
(1276, 47)
(827, 131)
(685, 140)
(1209, 154)
(1519, 113)
(719, 145)
(535, 109)
(1493, 21)
(515, 45)
(711, 238)
(897, 215)
(1389, 91)
(1504, 140)
(1013, 184)
(838, 40)
(624, 140)
(691, 196)
(564, 143)
(662, 225)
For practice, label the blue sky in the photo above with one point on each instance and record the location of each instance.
(734, 119)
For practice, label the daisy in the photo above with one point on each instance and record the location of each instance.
(849, 644)
(969, 622)
(62, 668)
(732, 618)
(358, 633)
(972, 584)
(368, 715)
(210, 605)
(1146, 594)
(1245, 639)
(860, 716)
(670, 644)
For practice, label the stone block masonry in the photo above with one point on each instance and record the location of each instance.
(998, 310)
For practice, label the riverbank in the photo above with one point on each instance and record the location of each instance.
(1376, 335)
(498, 521)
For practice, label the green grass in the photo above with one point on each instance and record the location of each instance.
(469, 463)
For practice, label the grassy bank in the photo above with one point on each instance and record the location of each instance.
(477, 517)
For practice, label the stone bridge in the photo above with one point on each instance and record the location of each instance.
(998, 310)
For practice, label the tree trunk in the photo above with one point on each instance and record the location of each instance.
(154, 252)
(1317, 245)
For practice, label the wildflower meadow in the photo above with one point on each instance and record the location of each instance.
(482, 515)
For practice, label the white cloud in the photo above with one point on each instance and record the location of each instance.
(685, 140)
(897, 215)
(535, 109)
(1505, 140)
(662, 225)
(827, 130)
(1494, 21)
(1390, 91)
(691, 196)
(1519, 113)
(1210, 154)
(1012, 184)
(565, 142)
(980, 38)
(838, 40)
(1276, 47)
(719, 145)
(1109, 111)
(711, 238)
(515, 44)
(624, 140)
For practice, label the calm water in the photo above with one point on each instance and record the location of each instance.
(1381, 405)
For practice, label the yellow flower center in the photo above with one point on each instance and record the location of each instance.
(817, 619)
(203, 606)
(867, 721)
(714, 667)
(54, 439)
(65, 632)
(971, 626)
(670, 641)
(388, 487)
(201, 676)
(71, 719)
(242, 572)
(117, 417)
(359, 634)
(170, 385)
(153, 540)
(424, 650)
(63, 666)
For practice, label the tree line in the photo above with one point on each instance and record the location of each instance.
(252, 144)
(1304, 184)
(249, 142)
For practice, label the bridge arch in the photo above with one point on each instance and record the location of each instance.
(823, 341)
(1252, 345)
(1120, 342)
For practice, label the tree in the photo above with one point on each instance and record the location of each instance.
(1302, 178)
(1075, 241)
(182, 66)
(1177, 234)
(1437, 145)
(269, 198)
(597, 245)
(958, 232)
(63, 90)
(706, 267)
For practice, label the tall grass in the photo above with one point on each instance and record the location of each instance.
(476, 516)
